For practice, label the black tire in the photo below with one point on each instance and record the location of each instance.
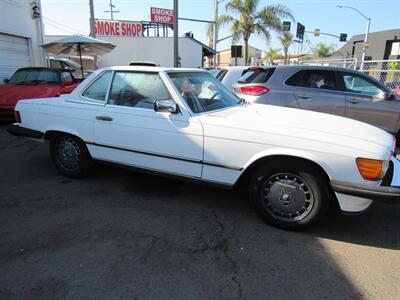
(70, 156)
(289, 193)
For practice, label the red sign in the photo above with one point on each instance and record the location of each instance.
(161, 15)
(118, 28)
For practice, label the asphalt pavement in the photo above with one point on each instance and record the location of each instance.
(124, 235)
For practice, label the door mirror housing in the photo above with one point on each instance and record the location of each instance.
(167, 105)
(6, 80)
(389, 95)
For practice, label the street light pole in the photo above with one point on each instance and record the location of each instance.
(364, 52)
(176, 54)
(365, 44)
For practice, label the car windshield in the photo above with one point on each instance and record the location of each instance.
(73, 65)
(29, 76)
(202, 92)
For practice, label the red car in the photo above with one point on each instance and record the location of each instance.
(27, 83)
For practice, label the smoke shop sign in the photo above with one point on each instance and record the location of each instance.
(118, 28)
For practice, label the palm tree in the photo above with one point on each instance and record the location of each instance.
(251, 20)
(286, 40)
(272, 54)
(322, 50)
(210, 34)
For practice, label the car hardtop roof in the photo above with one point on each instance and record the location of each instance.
(40, 68)
(232, 67)
(152, 69)
(312, 67)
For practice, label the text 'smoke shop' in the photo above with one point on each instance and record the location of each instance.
(161, 15)
(118, 28)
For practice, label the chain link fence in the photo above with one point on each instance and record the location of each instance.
(385, 71)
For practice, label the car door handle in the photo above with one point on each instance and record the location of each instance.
(303, 96)
(353, 100)
(104, 118)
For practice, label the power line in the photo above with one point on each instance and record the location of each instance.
(62, 25)
(58, 27)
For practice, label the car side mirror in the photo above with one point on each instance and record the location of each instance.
(6, 80)
(167, 105)
(389, 95)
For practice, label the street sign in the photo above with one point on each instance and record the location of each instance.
(343, 37)
(236, 51)
(300, 31)
(286, 26)
(162, 15)
(317, 32)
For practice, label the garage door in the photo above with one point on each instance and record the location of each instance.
(14, 54)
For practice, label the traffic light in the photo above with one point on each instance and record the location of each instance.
(300, 31)
(286, 26)
(343, 37)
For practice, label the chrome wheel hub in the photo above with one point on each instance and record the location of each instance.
(68, 153)
(287, 197)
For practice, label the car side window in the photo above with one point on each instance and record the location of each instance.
(67, 77)
(357, 84)
(316, 79)
(136, 89)
(296, 79)
(55, 64)
(98, 89)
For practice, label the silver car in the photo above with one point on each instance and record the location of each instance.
(330, 90)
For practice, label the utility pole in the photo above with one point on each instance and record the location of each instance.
(215, 31)
(92, 27)
(112, 10)
(215, 40)
(176, 34)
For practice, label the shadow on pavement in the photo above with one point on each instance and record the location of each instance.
(120, 234)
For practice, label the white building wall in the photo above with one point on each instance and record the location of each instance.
(16, 20)
(157, 49)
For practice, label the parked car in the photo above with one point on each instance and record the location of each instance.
(337, 91)
(229, 75)
(27, 83)
(68, 65)
(184, 123)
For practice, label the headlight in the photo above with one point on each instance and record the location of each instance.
(372, 169)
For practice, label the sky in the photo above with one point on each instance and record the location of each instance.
(72, 17)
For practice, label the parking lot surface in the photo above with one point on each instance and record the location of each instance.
(125, 235)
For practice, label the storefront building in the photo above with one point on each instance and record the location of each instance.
(21, 36)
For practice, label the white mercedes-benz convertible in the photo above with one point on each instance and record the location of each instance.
(185, 123)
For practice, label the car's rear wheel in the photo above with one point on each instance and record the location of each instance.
(289, 194)
(70, 155)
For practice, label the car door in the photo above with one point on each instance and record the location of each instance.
(317, 90)
(367, 101)
(129, 131)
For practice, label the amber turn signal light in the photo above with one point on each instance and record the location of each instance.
(370, 169)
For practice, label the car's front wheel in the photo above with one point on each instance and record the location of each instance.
(289, 194)
(70, 155)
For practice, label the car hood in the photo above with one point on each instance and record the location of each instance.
(258, 123)
(11, 93)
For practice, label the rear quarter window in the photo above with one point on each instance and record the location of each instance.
(257, 75)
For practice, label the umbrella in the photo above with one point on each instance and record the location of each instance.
(81, 45)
